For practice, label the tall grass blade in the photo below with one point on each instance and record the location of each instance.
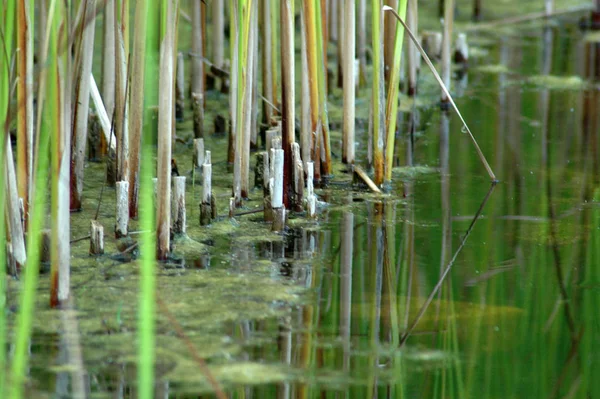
(445, 90)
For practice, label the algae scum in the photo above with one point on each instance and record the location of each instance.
(329, 308)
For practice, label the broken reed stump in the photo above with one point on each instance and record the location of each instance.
(94, 137)
(432, 44)
(205, 206)
(122, 192)
(179, 87)
(297, 177)
(231, 207)
(198, 109)
(259, 170)
(178, 205)
(461, 52)
(277, 191)
(11, 262)
(267, 187)
(96, 238)
(220, 124)
(45, 245)
(198, 157)
(311, 199)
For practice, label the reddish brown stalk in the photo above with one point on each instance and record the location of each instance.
(25, 100)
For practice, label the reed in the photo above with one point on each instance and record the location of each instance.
(377, 126)
(267, 60)
(310, 15)
(24, 320)
(108, 56)
(81, 103)
(446, 92)
(391, 110)
(146, 321)
(218, 32)
(349, 86)
(61, 143)
(165, 133)
(446, 46)
(136, 102)
(121, 106)
(6, 19)
(324, 147)
(245, 10)
(197, 48)
(24, 97)
(412, 54)
(362, 40)
(287, 97)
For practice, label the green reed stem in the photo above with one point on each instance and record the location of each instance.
(47, 123)
(377, 95)
(391, 114)
(146, 323)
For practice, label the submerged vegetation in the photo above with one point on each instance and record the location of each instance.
(316, 142)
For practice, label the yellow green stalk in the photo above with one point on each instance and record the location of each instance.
(378, 94)
(391, 112)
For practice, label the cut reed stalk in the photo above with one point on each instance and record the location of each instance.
(81, 105)
(287, 96)
(122, 208)
(25, 101)
(108, 57)
(445, 90)
(391, 111)
(178, 201)
(205, 205)
(136, 102)
(277, 190)
(165, 127)
(96, 238)
(349, 86)
(378, 93)
(446, 46)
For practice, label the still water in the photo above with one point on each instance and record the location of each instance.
(448, 287)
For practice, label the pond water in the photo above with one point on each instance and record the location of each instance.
(447, 287)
